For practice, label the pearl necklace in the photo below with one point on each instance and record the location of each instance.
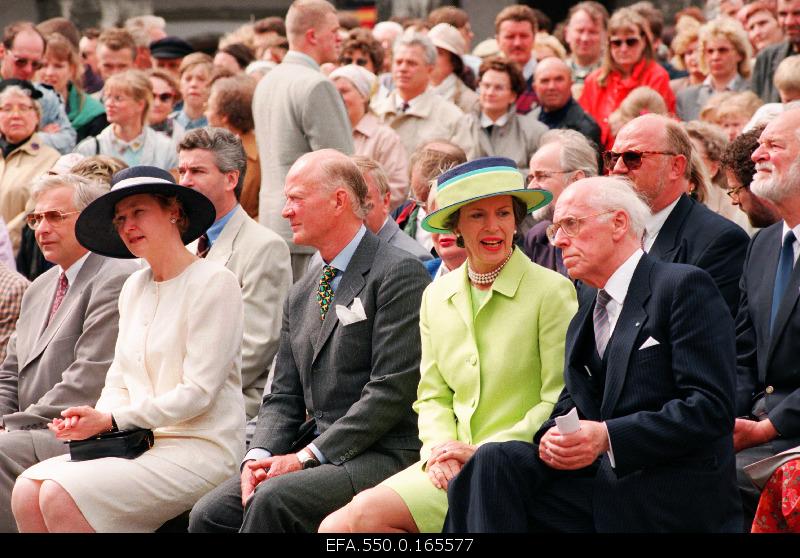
(487, 278)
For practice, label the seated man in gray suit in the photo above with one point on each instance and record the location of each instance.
(64, 342)
(213, 161)
(338, 418)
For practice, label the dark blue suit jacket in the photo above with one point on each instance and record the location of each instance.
(695, 235)
(668, 407)
(769, 363)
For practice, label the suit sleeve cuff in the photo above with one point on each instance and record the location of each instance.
(610, 451)
(254, 455)
(317, 453)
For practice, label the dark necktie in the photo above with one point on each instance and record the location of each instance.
(405, 107)
(325, 291)
(489, 129)
(602, 327)
(61, 292)
(784, 273)
(203, 245)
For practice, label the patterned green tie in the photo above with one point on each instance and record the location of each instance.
(325, 292)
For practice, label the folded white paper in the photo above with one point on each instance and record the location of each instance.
(569, 423)
(649, 343)
(353, 314)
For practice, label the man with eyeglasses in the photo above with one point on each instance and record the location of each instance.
(563, 157)
(656, 154)
(21, 54)
(65, 336)
(552, 81)
(768, 323)
(650, 377)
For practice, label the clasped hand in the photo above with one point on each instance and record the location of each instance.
(80, 423)
(446, 461)
(256, 471)
(576, 450)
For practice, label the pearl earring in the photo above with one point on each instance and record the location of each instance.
(173, 220)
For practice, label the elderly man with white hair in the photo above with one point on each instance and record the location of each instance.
(641, 437)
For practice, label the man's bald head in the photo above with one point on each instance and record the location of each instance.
(552, 81)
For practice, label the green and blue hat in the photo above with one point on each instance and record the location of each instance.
(478, 179)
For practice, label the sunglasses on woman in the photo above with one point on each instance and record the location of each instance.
(350, 60)
(629, 42)
(164, 97)
(632, 159)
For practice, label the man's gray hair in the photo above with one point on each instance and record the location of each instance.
(413, 38)
(611, 193)
(226, 146)
(85, 190)
(373, 168)
(577, 152)
(342, 172)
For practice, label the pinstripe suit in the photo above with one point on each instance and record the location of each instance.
(669, 413)
(12, 287)
(356, 382)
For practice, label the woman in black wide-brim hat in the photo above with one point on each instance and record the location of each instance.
(176, 370)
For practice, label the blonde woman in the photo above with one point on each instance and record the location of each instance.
(724, 55)
(128, 97)
(685, 45)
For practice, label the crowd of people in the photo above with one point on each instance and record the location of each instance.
(378, 280)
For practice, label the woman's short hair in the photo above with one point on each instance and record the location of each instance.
(732, 30)
(787, 76)
(172, 202)
(15, 90)
(85, 190)
(242, 53)
(507, 67)
(681, 42)
(743, 103)
(136, 84)
(626, 19)
(226, 146)
(196, 59)
(547, 40)
(368, 46)
(234, 100)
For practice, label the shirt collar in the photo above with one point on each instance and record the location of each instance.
(368, 125)
(215, 230)
(304, 56)
(183, 119)
(399, 102)
(122, 146)
(342, 259)
(732, 85)
(657, 220)
(529, 68)
(486, 121)
(74, 269)
(617, 285)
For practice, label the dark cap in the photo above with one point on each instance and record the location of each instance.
(23, 84)
(170, 47)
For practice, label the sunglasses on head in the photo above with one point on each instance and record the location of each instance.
(350, 60)
(630, 42)
(632, 159)
(164, 97)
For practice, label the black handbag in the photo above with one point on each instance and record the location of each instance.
(122, 443)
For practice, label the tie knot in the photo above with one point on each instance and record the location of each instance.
(328, 273)
(63, 282)
(603, 298)
(789, 238)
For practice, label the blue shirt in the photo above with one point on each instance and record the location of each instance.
(188, 124)
(215, 230)
(340, 262)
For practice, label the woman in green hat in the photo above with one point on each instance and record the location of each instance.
(492, 347)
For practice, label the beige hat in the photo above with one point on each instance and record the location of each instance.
(362, 79)
(444, 35)
(486, 48)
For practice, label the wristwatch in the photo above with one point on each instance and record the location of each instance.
(307, 458)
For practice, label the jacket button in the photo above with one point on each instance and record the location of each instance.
(769, 389)
(473, 360)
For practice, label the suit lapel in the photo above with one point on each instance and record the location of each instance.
(668, 239)
(580, 339)
(787, 304)
(352, 283)
(222, 249)
(74, 292)
(620, 347)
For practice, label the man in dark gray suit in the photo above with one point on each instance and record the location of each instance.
(338, 418)
(298, 110)
(64, 342)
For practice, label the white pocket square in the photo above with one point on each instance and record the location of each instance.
(351, 315)
(649, 343)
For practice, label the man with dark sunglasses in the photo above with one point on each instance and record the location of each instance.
(21, 54)
(657, 155)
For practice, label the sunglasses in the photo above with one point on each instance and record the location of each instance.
(350, 60)
(570, 225)
(20, 62)
(632, 159)
(629, 42)
(53, 216)
(164, 97)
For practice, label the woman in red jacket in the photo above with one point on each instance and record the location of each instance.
(628, 63)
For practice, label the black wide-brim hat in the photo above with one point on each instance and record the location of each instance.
(95, 231)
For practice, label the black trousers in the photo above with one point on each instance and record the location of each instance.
(505, 488)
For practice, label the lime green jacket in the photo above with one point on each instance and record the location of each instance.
(497, 377)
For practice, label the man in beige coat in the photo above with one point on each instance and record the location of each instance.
(297, 110)
(64, 342)
(213, 161)
(414, 111)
